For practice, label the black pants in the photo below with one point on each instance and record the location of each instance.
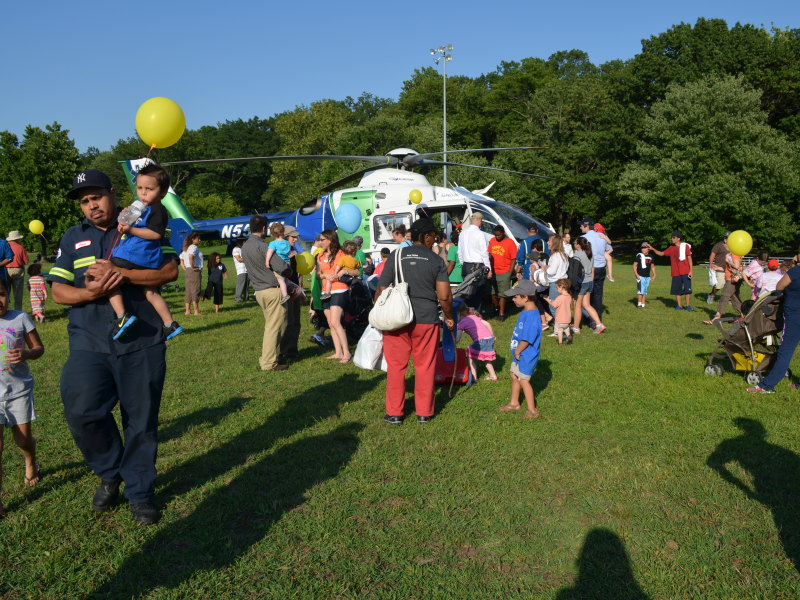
(475, 300)
(214, 288)
(596, 296)
(291, 333)
(91, 385)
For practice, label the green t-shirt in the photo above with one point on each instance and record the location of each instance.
(362, 260)
(455, 274)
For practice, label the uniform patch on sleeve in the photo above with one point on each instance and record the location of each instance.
(83, 244)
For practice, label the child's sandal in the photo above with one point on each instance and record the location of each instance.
(531, 415)
(487, 378)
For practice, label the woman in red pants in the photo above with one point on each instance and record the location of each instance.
(428, 286)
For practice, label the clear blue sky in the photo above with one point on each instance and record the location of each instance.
(89, 65)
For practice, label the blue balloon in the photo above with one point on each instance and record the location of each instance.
(348, 217)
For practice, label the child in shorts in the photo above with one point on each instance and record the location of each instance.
(347, 262)
(141, 249)
(562, 305)
(482, 347)
(17, 330)
(280, 246)
(645, 270)
(525, 346)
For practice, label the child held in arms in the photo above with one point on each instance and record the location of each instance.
(347, 262)
(525, 345)
(769, 279)
(280, 246)
(141, 248)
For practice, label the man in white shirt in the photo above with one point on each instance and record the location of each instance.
(242, 280)
(473, 252)
(599, 245)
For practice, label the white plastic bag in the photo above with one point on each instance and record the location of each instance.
(393, 309)
(712, 278)
(369, 350)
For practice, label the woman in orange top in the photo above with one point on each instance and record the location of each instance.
(334, 306)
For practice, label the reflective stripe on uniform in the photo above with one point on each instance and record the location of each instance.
(56, 272)
(84, 262)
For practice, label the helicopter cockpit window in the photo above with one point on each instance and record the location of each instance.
(386, 224)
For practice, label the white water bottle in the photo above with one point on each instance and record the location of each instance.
(133, 213)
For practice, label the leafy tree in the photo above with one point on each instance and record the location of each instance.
(212, 206)
(35, 176)
(710, 162)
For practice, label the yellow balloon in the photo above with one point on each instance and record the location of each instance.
(36, 227)
(160, 122)
(740, 242)
(415, 196)
(305, 263)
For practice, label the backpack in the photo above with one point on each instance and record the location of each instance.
(575, 274)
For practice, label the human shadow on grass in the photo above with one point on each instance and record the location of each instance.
(541, 376)
(190, 330)
(775, 472)
(235, 516)
(695, 336)
(604, 571)
(202, 416)
(313, 405)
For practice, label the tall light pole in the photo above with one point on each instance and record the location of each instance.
(445, 58)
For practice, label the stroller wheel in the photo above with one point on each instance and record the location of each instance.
(753, 377)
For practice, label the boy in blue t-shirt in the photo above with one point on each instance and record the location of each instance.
(280, 246)
(140, 248)
(525, 345)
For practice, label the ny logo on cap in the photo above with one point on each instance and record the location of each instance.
(81, 177)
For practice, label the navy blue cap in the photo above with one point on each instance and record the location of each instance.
(589, 221)
(89, 178)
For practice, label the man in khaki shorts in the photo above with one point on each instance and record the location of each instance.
(716, 264)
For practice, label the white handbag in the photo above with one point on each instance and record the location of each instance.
(393, 309)
(712, 278)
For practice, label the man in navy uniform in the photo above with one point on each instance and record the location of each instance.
(101, 372)
(525, 249)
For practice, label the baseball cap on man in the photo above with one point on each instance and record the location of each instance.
(89, 178)
(358, 240)
(523, 288)
(727, 233)
(532, 227)
(644, 245)
(588, 221)
(421, 226)
(677, 234)
(773, 263)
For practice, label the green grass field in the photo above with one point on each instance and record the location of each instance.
(289, 485)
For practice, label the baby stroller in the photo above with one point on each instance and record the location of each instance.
(750, 343)
(356, 313)
(470, 284)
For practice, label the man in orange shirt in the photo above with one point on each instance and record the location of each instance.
(503, 256)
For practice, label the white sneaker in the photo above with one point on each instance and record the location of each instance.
(611, 279)
(554, 334)
(710, 299)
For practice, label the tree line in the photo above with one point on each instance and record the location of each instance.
(700, 131)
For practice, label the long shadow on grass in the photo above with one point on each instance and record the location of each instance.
(541, 376)
(604, 571)
(202, 416)
(776, 479)
(317, 403)
(235, 516)
(190, 329)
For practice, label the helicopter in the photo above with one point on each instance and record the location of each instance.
(382, 197)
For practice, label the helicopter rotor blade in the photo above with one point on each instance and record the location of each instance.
(386, 160)
(441, 163)
(413, 160)
(352, 177)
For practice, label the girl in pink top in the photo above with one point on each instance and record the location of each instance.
(482, 347)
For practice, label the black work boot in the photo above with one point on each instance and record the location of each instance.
(105, 495)
(144, 514)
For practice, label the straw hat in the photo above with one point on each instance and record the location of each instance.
(13, 236)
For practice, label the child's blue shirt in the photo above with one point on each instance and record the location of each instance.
(281, 248)
(528, 328)
(142, 252)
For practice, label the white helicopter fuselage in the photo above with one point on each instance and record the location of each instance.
(383, 196)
